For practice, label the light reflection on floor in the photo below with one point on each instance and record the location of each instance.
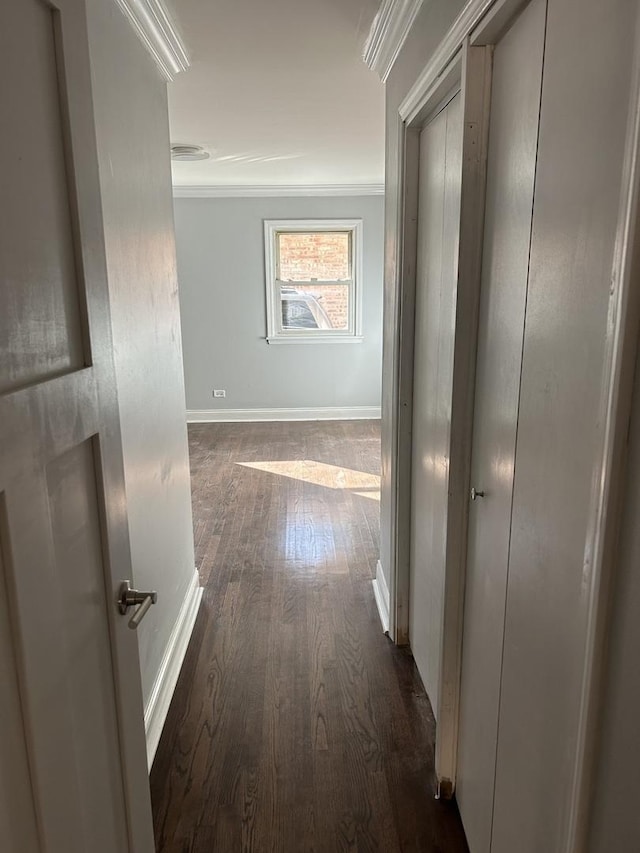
(320, 474)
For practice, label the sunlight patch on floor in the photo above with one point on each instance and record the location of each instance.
(320, 474)
(374, 494)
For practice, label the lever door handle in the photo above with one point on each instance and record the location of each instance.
(142, 601)
(476, 494)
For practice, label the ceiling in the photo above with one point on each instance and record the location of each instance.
(278, 93)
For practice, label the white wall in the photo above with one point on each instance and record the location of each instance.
(220, 248)
(133, 144)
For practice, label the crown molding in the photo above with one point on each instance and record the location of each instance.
(247, 191)
(157, 32)
(388, 32)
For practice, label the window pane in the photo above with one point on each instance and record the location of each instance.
(308, 307)
(325, 256)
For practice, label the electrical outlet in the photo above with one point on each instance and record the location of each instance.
(219, 393)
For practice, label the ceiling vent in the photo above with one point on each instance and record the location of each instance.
(188, 153)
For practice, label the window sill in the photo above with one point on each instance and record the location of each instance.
(315, 339)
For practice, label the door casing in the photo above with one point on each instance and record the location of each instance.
(470, 72)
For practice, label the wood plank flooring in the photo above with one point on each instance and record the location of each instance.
(296, 725)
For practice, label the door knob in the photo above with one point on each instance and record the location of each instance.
(142, 601)
(475, 494)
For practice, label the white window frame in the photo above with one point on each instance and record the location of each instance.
(275, 333)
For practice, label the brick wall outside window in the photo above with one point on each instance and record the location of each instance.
(324, 256)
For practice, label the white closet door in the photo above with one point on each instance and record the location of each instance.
(588, 62)
(436, 285)
(513, 138)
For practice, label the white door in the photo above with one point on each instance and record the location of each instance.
(436, 286)
(513, 142)
(73, 774)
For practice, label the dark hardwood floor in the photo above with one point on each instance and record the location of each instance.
(296, 724)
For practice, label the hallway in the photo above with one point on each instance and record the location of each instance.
(296, 724)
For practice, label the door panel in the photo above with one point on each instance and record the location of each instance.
(436, 277)
(79, 570)
(40, 325)
(17, 812)
(78, 712)
(513, 135)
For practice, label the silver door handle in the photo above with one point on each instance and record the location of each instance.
(475, 494)
(142, 601)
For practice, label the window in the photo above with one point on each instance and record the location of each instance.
(313, 271)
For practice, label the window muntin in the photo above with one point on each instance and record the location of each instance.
(313, 280)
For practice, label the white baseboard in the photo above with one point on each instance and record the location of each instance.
(195, 416)
(381, 593)
(159, 700)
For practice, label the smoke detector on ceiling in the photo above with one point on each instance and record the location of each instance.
(188, 153)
